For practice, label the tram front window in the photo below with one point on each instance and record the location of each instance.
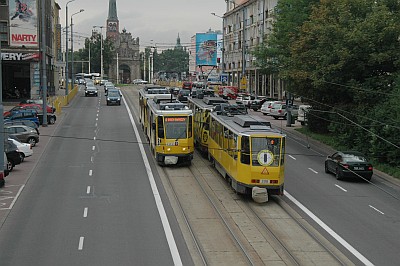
(176, 127)
(265, 150)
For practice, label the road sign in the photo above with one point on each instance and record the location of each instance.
(243, 83)
(265, 157)
(223, 78)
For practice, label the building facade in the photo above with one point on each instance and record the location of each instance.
(244, 27)
(20, 35)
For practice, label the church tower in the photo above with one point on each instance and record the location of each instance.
(112, 21)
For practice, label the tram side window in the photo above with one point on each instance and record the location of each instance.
(245, 150)
(212, 130)
(226, 140)
(190, 127)
(235, 146)
(283, 151)
(206, 121)
(160, 127)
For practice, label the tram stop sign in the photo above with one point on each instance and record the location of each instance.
(265, 157)
(243, 83)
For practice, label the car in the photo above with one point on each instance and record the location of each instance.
(6, 172)
(51, 118)
(302, 114)
(12, 153)
(25, 114)
(187, 85)
(349, 164)
(91, 91)
(23, 133)
(113, 97)
(279, 110)
(266, 107)
(103, 81)
(139, 81)
(183, 95)
(25, 149)
(50, 109)
(256, 104)
(25, 123)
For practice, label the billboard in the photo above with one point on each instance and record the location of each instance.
(206, 49)
(23, 23)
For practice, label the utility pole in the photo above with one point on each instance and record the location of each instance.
(144, 65)
(44, 63)
(66, 47)
(117, 69)
(101, 50)
(1, 119)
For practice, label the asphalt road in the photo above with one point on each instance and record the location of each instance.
(89, 201)
(366, 216)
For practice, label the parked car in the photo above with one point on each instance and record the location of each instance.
(91, 91)
(6, 172)
(279, 110)
(228, 92)
(349, 164)
(12, 153)
(25, 114)
(187, 85)
(113, 97)
(27, 123)
(257, 103)
(302, 114)
(51, 118)
(23, 133)
(183, 95)
(49, 109)
(25, 149)
(139, 81)
(266, 107)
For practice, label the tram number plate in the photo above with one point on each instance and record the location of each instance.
(264, 181)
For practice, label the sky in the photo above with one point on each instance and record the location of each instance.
(157, 20)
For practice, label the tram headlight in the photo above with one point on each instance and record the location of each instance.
(183, 149)
(168, 149)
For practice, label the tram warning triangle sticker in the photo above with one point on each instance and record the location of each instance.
(265, 171)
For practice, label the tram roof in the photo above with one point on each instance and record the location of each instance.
(207, 102)
(246, 124)
(151, 92)
(165, 108)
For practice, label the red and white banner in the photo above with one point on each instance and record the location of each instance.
(23, 23)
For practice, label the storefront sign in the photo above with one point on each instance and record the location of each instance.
(23, 23)
(19, 56)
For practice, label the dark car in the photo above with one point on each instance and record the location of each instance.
(25, 114)
(51, 118)
(91, 91)
(12, 153)
(27, 123)
(183, 95)
(349, 164)
(113, 97)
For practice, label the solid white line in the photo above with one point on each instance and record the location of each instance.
(93, 148)
(88, 190)
(85, 212)
(376, 209)
(312, 170)
(90, 172)
(164, 219)
(16, 197)
(292, 157)
(341, 188)
(329, 230)
(80, 246)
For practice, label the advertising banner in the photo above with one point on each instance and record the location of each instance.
(23, 23)
(206, 49)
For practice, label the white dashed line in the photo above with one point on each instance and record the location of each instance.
(341, 188)
(88, 190)
(376, 209)
(90, 172)
(85, 212)
(97, 119)
(93, 148)
(95, 125)
(292, 157)
(97, 115)
(312, 170)
(80, 246)
(94, 138)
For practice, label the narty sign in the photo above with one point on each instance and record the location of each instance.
(24, 39)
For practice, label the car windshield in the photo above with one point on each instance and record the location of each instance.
(113, 94)
(265, 150)
(185, 92)
(175, 127)
(349, 157)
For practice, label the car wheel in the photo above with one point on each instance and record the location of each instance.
(22, 156)
(52, 120)
(326, 168)
(275, 117)
(10, 166)
(255, 109)
(302, 123)
(338, 174)
(32, 141)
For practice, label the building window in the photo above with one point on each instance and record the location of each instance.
(3, 2)
(3, 32)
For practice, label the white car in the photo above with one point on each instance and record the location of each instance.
(266, 107)
(25, 149)
(139, 81)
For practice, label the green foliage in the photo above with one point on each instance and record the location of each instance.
(172, 60)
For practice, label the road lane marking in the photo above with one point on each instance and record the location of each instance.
(292, 157)
(376, 209)
(80, 245)
(93, 148)
(95, 125)
(94, 138)
(97, 119)
(329, 230)
(85, 212)
(341, 188)
(160, 207)
(97, 115)
(312, 170)
(90, 172)
(16, 197)
(88, 190)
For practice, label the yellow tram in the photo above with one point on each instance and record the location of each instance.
(247, 152)
(201, 111)
(170, 130)
(146, 93)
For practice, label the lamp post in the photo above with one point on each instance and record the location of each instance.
(101, 50)
(1, 119)
(223, 42)
(90, 40)
(72, 48)
(66, 46)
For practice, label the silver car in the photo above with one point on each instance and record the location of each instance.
(23, 133)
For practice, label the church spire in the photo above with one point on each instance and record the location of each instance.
(178, 44)
(112, 10)
(112, 21)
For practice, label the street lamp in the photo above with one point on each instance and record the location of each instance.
(72, 48)
(223, 42)
(101, 50)
(66, 46)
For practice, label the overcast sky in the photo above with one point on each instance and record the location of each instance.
(156, 20)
